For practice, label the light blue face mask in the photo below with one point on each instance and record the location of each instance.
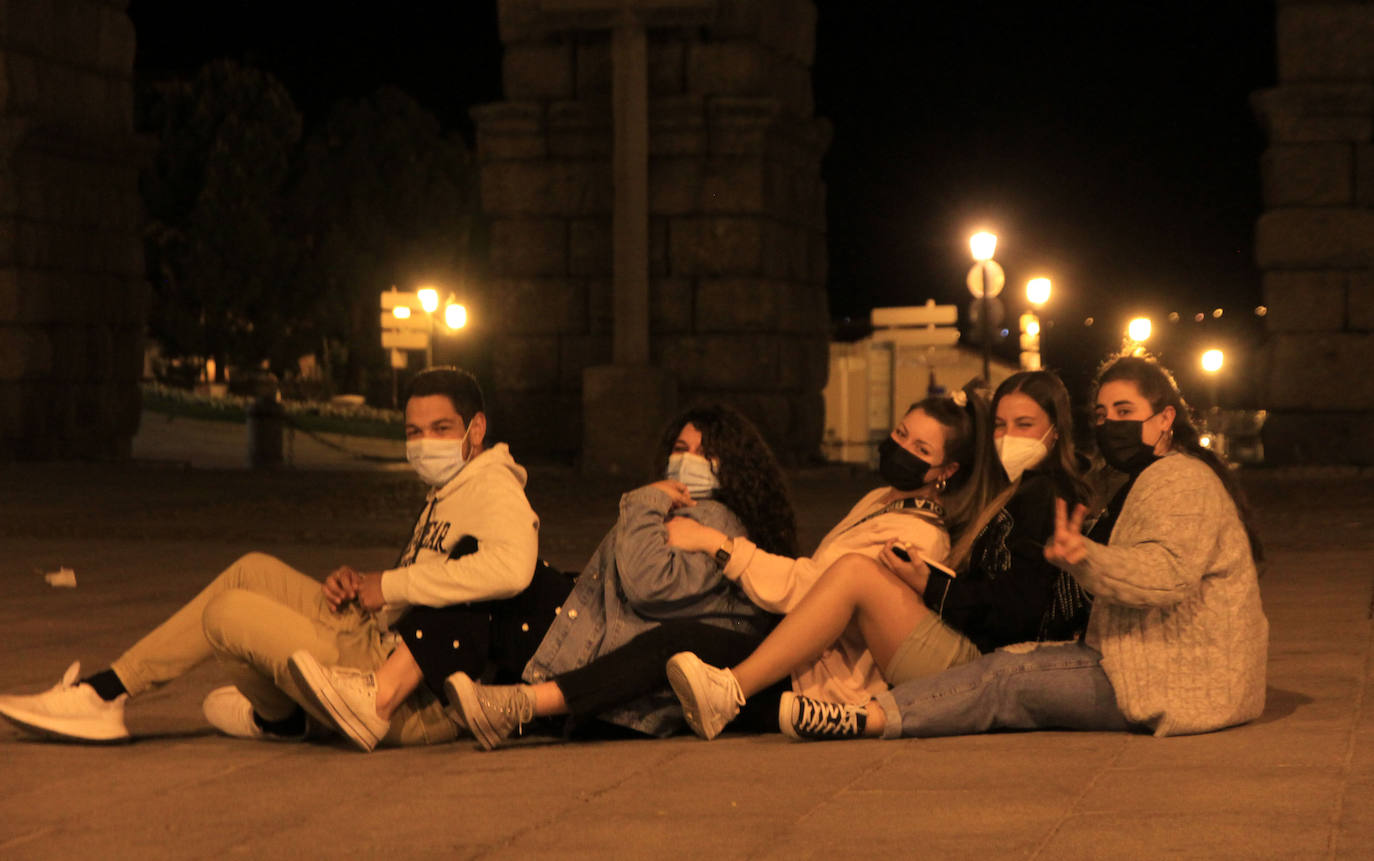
(694, 471)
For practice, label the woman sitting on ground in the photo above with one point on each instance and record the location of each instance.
(719, 472)
(1177, 638)
(1007, 592)
(911, 512)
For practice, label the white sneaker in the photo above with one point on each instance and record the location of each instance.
(230, 712)
(809, 719)
(70, 711)
(710, 696)
(347, 697)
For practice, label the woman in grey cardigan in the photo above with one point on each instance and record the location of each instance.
(1177, 640)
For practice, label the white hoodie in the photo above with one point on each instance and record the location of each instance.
(485, 500)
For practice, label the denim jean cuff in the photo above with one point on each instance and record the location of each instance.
(893, 727)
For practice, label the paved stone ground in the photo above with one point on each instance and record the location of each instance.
(142, 538)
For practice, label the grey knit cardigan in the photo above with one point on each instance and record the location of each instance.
(1177, 613)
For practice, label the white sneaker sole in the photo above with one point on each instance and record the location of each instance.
(60, 729)
(680, 678)
(786, 715)
(316, 687)
(462, 695)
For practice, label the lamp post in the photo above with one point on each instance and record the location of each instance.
(1037, 293)
(985, 281)
(429, 301)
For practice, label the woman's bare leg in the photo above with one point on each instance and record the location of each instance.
(854, 588)
(397, 678)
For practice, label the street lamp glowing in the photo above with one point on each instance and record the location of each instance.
(1139, 329)
(1212, 361)
(1038, 291)
(401, 312)
(455, 316)
(982, 245)
(429, 299)
(1032, 327)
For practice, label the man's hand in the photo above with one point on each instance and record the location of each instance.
(341, 586)
(685, 533)
(676, 491)
(1067, 546)
(914, 572)
(370, 593)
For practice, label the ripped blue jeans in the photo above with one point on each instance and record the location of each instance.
(1051, 686)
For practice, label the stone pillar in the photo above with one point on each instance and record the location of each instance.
(73, 300)
(736, 229)
(1315, 240)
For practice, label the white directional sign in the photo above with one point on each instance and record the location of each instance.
(394, 340)
(997, 279)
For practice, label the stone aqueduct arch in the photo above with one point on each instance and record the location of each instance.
(736, 247)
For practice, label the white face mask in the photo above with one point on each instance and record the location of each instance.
(1019, 453)
(436, 461)
(695, 471)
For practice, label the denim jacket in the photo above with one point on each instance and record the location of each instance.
(635, 580)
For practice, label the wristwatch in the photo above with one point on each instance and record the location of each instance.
(723, 552)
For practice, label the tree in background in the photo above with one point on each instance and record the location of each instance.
(217, 252)
(384, 198)
(264, 246)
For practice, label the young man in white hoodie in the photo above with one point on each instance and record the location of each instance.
(475, 540)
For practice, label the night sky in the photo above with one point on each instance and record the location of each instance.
(1111, 147)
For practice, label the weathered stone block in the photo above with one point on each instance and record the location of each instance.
(1317, 174)
(576, 353)
(1364, 174)
(528, 246)
(786, 26)
(728, 68)
(538, 70)
(1316, 112)
(600, 307)
(1319, 372)
(817, 258)
(589, 246)
(805, 363)
(538, 305)
(115, 54)
(667, 65)
(1326, 40)
(518, 20)
(658, 246)
(771, 413)
(670, 305)
(1319, 438)
(545, 187)
(1360, 302)
(724, 362)
(1305, 301)
(25, 353)
(1315, 238)
(716, 246)
(525, 363)
(677, 126)
(580, 129)
(545, 421)
(623, 410)
(593, 65)
(510, 130)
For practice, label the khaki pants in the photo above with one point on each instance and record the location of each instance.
(251, 618)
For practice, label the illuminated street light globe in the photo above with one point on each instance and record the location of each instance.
(429, 299)
(1038, 291)
(455, 316)
(1211, 361)
(1139, 329)
(982, 245)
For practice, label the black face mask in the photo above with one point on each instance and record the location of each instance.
(899, 467)
(1120, 442)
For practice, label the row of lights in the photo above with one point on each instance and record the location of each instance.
(983, 244)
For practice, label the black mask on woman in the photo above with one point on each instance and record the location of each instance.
(899, 467)
(1121, 444)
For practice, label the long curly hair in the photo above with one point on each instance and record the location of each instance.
(1156, 385)
(751, 482)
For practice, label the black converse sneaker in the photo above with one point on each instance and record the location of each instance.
(807, 719)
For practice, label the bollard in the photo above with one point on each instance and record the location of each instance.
(266, 422)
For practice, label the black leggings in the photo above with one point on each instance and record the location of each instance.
(637, 668)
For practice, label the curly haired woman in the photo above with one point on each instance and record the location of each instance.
(719, 472)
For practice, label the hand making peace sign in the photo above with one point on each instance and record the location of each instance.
(1067, 546)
